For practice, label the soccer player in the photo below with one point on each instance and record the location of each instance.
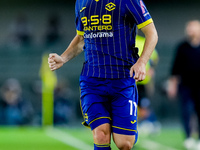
(106, 31)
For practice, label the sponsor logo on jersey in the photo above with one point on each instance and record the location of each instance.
(110, 6)
(96, 0)
(133, 122)
(142, 7)
(82, 9)
(98, 35)
(100, 28)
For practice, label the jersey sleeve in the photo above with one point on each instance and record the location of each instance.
(138, 11)
(79, 25)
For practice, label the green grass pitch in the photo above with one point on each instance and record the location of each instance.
(29, 138)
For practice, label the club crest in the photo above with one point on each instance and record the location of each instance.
(110, 6)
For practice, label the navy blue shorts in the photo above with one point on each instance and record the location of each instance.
(112, 101)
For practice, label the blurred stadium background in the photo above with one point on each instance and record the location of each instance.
(31, 28)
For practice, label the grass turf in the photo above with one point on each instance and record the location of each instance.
(28, 138)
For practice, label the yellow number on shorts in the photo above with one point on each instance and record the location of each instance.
(131, 107)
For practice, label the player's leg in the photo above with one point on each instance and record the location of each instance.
(102, 137)
(124, 142)
(97, 118)
(124, 114)
(96, 111)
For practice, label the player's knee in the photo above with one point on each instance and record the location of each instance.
(102, 134)
(126, 144)
(102, 137)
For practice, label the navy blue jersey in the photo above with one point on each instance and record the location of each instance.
(109, 30)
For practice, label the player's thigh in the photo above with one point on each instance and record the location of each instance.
(94, 103)
(97, 117)
(95, 113)
(124, 116)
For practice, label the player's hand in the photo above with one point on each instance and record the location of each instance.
(55, 61)
(139, 68)
(172, 88)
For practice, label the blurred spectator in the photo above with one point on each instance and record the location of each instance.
(146, 87)
(52, 35)
(185, 81)
(20, 33)
(146, 116)
(148, 123)
(62, 104)
(15, 110)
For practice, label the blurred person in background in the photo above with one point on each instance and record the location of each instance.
(63, 96)
(146, 115)
(52, 34)
(20, 33)
(15, 109)
(185, 81)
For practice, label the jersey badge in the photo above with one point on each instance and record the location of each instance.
(142, 7)
(96, 0)
(82, 9)
(110, 6)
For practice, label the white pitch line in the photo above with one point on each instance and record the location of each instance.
(68, 139)
(80, 145)
(150, 145)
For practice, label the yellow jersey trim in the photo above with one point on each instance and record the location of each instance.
(102, 144)
(82, 9)
(84, 123)
(124, 129)
(80, 32)
(99, 118)
(144, 23)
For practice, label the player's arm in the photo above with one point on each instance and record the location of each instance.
(75, 48)
(151, 37)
